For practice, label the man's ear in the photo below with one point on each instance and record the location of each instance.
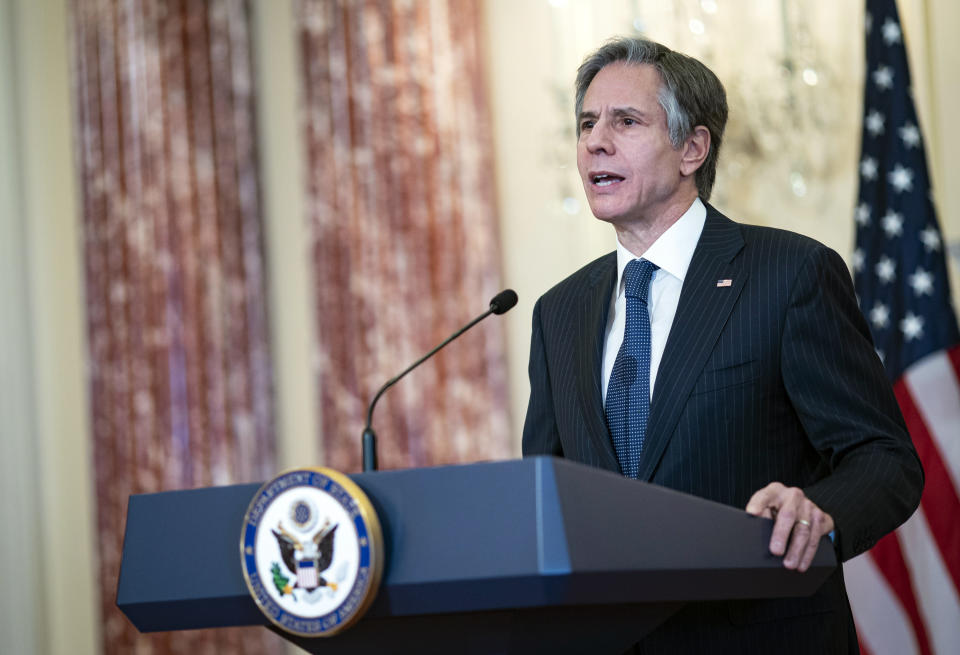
(695, 150)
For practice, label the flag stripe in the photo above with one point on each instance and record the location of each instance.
(877, 611)
(939, 603)
(935, 387)
(889, 558)
(940, 502)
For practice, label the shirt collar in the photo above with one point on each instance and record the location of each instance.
(673, 250)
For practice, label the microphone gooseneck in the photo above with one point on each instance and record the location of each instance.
(501, 303)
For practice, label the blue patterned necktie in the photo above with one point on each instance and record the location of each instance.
(628, 392)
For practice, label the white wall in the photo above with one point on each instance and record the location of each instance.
(48, 560)
(19, 566)
(287, 234)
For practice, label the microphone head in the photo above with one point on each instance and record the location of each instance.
(503, 301)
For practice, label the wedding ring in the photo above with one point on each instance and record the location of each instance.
(804, 522)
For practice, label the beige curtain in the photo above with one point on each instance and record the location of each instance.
(180, 378)
(401, 201)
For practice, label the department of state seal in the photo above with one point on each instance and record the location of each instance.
(312, 551)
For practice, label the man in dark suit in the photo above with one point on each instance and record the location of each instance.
(723, 360)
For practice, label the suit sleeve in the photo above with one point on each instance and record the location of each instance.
(842, 397)
(540, 434)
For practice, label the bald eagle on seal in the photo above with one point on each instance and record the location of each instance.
(307, 561)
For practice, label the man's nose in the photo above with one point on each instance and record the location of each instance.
(599, 138)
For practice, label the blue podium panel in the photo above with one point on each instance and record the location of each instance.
(181, 560)
(662, 545)
(467, 538)
(546, 531)
(525, 556)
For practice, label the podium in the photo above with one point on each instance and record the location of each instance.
(539, 555)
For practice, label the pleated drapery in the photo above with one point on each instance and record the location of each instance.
(405, 249)
(401, 200)
(180, 376)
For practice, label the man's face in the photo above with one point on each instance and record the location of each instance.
(629, 168)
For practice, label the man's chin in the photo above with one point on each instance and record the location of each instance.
(606, 215)
(607, 208)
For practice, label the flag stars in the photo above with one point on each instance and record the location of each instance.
(874, 123)
(930, 238)
(883, 78)
(910, 135)
(858, 260)
(892, 212)
(901, 179)
(891, 31)
(922, 282)
(892, 223)
(880, 316)
(911, 326)
(886, 269)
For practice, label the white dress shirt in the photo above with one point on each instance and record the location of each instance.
(672, 252)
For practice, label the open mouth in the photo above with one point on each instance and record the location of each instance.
(605, 179)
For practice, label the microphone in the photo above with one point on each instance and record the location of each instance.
(500, 304)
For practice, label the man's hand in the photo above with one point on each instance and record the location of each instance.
(798, 520)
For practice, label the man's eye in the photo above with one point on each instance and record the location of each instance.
(586, 125)
(629, 121)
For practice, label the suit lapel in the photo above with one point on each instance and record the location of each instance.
(591, 327)
(701, 314)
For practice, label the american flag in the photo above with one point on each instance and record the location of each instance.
(905, 592)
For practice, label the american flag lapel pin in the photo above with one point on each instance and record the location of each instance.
(724, 283)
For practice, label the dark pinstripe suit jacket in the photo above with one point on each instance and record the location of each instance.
(773, 378)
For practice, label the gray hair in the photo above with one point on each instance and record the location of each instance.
(690, 94)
